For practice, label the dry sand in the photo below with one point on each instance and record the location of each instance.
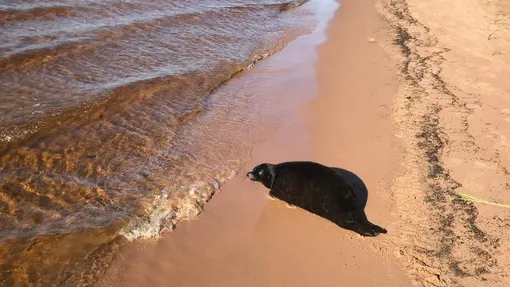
(414, 101)
(452, 110)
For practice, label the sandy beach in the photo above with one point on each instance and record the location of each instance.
(450, 107)
(411, 98)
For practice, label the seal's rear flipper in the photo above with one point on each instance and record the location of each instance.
(366, 228)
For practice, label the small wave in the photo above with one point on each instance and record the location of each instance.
(119, 96)
(34, 13)
(78, 33)
(163, 213)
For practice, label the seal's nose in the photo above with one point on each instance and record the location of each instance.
(251, 176)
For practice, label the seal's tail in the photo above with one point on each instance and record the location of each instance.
(366, 228)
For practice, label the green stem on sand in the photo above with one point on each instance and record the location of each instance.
(468, 197)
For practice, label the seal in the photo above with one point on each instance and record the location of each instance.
(318, 189)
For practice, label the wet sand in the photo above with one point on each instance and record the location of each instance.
(413, 108)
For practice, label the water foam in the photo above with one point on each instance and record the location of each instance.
(163, 213)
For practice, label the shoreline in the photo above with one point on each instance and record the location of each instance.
(244, 239)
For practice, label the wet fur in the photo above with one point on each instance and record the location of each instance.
(316, 188)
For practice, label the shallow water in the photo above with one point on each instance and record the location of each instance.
(113, 121)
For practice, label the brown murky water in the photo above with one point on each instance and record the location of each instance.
(112, 125)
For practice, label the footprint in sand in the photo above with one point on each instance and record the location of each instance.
(477, 164)
(503, 140)
(506, 112)
(485, 165)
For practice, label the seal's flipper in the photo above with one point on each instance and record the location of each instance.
(366, 228)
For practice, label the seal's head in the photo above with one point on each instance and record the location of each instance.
(264, 173)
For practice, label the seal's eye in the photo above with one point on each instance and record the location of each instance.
(261, 172)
